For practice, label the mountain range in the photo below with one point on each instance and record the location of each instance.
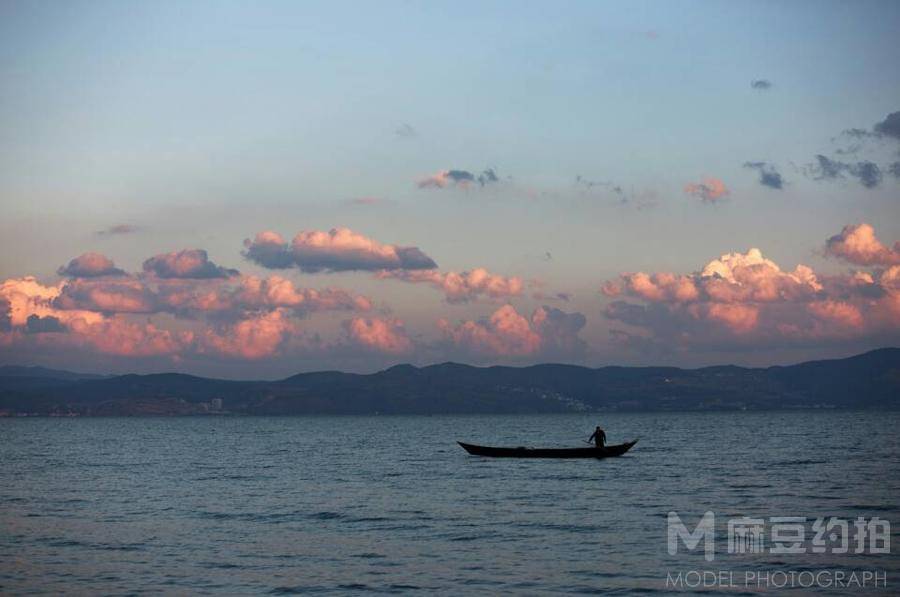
(868, 381)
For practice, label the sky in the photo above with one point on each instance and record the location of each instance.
(256, 189)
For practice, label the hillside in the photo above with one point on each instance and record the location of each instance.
(870, 380)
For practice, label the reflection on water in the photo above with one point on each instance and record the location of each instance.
(347, 504)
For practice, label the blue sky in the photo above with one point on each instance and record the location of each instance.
(203, 123)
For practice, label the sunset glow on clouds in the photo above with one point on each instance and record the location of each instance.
(857, 244)
(380, 335)
(749, 299)
(190, 263)
(339, 249)
(90, 265)
(507, 333)
(458, 178)
(183, 306)
(709, 191)
(463, 286)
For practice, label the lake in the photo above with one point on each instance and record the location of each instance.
(239, 505)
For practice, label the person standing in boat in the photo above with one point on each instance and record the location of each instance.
(598, 437)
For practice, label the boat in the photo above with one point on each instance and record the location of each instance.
(522, 452)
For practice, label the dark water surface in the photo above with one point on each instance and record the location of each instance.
(392, 504)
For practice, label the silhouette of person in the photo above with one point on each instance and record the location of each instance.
(598, 437)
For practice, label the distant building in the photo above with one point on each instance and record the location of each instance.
(215, 404)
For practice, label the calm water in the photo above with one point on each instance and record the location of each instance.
(354, 504)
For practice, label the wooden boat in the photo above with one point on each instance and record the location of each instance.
(592, 452)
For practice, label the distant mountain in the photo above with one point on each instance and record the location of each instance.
(870, 380)
(43, 372)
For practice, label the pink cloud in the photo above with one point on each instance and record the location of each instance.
(462, 287)
(90, 265)
(740, 319)
(339, 249)
(858, 244)
(25, 297)
(189, 263)
(254, 338)
(256, 294)
(655, 287)
(126, 295)
(737, 277)
(120, 337)
(746, 299)
(507, 333)
(838, 312)
(93, 314)
(438, 181)
(276, 291)
(708, 191)
(379, 335)
(458, 178)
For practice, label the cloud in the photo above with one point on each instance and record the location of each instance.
(761, 84)
(118, 229)
(461, 287)
(461, 178)
(654, 287)
(378, 335)
(559, 331)
(26, 296)
(35, 324)
(259, 294)
(541, 294)
(838, 313)
(768, 175)
(120, 337)
(196, 298)
(746, 301)
(33, 309)
(827, 169)
(405, 130)
(890, 126)
(506, 333)
(739, 318)
(90, 265)
(250, 320)
(708, 191)
(268, 249)
(857, 133)
(107, 296)
(868, 173)
(558, 296)
(857, 244)
(339, 249)
(186, 264)
(589, 185)
(256, 337)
